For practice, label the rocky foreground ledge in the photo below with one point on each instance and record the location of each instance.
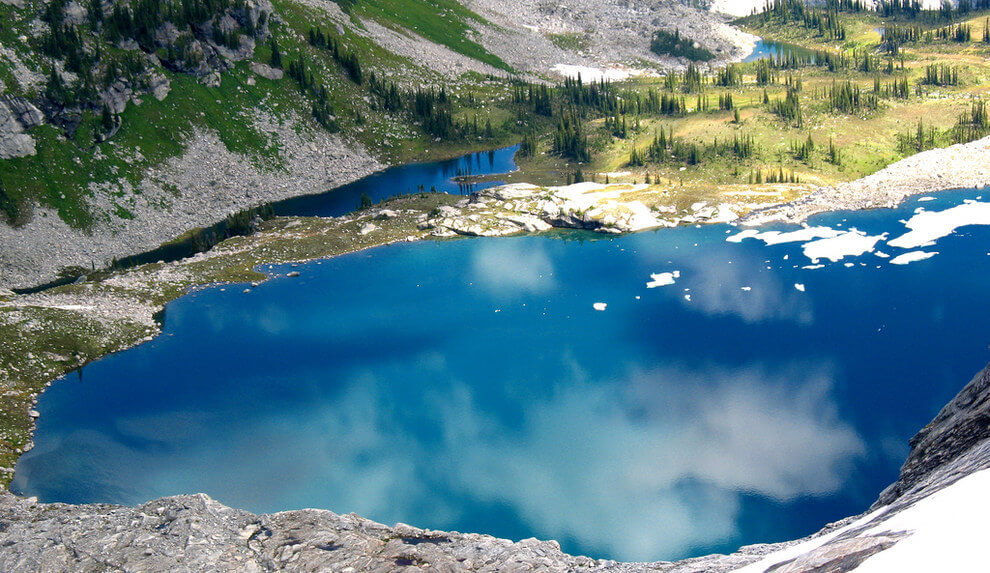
(196, 533)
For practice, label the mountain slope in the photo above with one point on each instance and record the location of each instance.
(125, 123)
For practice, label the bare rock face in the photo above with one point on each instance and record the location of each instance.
(17, 115)
(961, 425)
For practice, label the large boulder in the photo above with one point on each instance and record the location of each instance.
(17, 115)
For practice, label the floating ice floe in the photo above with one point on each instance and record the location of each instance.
(799, 286)
(813, 267)
(847, 243)
(929, 226)
(881, 254)
(912, 257)
(663, 279)
(777, 237)
(600, 306)
(687, 297)
(924, 199)
(747, 289)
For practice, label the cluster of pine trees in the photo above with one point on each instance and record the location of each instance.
(569, 139)
(802, 151)
(771, 175)
(941, 75)
(346, 58)
(848, 98)
(824, 20)
(895, 36)
(899, 88)
(665, 148)
(918, 140)
(788, 108)
(665, 43)
(973, 125)
(914, 10)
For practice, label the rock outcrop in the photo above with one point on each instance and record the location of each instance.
(17, 115)
(610, 209)
(196, 533)
(961, 426)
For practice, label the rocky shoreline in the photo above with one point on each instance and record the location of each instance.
(200, 187)
(960, 166)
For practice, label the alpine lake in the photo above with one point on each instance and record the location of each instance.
(657, 395)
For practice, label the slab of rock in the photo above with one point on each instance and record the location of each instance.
(961, 425)
(266, 71)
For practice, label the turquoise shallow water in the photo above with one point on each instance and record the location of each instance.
(471, 385)
(769, 48)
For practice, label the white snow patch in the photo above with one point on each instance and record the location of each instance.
(847, 243)
(949, 531)
(592, 75)
(929, 226)
(912, 257)
(747, 234)
(663, 279)
(777, 237)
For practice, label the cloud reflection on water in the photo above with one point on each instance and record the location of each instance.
(716, 282)
(513, 267)
(642, 467)
(646, 466)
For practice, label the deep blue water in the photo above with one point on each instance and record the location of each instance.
(768, 48)
(411, 178)
(470, 385)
